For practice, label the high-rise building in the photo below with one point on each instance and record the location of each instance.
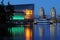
(53, 12)
(41, 12)
(53, 15)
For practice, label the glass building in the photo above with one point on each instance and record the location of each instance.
(22, 15)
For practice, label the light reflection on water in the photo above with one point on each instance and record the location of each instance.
(42, 31)
(58, 31)
(45, 31)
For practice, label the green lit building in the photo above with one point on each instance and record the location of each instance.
(22, 16)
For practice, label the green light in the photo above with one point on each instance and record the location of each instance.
(18, 16)
(16, 30)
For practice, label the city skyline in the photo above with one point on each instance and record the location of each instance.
(47, 5)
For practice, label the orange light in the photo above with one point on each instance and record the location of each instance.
(27, 17)
(28, 34)
(28, 12)
(31, 33)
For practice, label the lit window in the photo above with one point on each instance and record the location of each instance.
(18, 16)
(28, 13)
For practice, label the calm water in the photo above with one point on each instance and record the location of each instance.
(43, 31)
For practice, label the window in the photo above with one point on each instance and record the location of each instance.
(18, 16)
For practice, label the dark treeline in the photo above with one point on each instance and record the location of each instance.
(5, 14)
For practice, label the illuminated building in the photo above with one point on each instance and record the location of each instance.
(42, 13)
(18, 16)
(22, 15)
(53, 13)
(28, 14)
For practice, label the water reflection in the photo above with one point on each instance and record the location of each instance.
(52, 31)
(41, 31)
(58, 31)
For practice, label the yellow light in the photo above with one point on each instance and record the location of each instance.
(29, 12)
(28, 34)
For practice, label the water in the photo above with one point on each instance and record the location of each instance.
(42, 31)
(58, 31)
(52, 31)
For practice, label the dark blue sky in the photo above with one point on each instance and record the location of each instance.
(47, 4)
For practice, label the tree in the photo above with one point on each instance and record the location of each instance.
(2, 21)
(10, 10)
(2, 13)
(9, 14)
